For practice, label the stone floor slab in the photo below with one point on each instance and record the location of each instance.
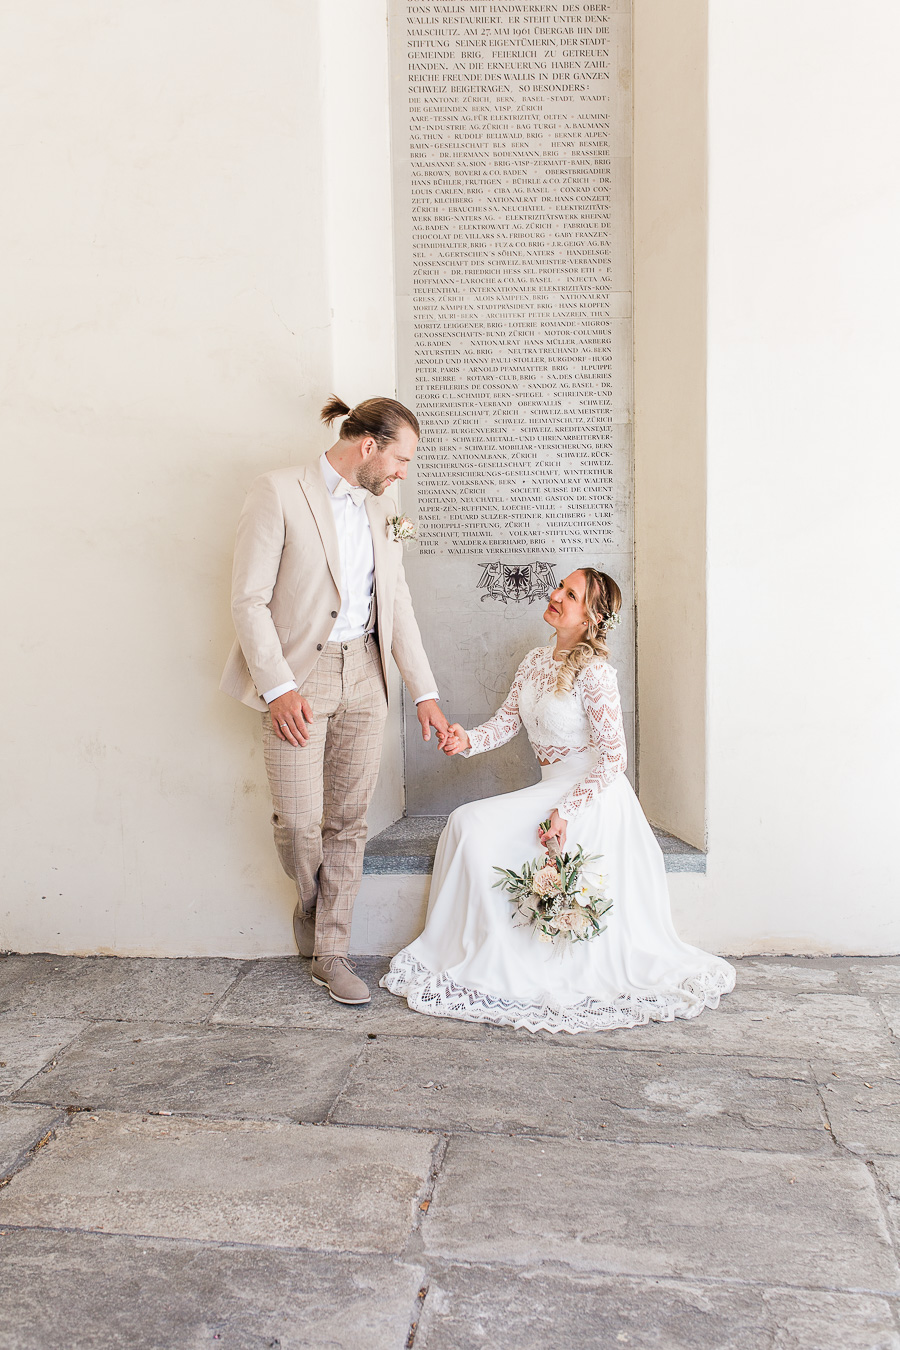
(863, 1105)
(887, 1171)
(279, 992)
(890, 1007)
(474, 1308)
(660, 1210)
(246, 1072)
(767, 1022)
(801, 975)
(164, 989)
(875, 974)
(509, 1086)
(28, 1043)
(78, 1291)
(20, 1128)
(273, 1184)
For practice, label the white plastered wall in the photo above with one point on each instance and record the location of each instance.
(169, 335)
(175, 313)
(803, 482)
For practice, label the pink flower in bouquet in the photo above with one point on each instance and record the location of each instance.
(573, 921)
(546, 881)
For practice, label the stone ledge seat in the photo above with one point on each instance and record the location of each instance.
(408, 847)
(393, 899)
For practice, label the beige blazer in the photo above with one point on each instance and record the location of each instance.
(286, 588)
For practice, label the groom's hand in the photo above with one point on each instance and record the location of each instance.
(291, 717)
(430, 715)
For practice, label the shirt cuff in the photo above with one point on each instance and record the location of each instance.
(279, 690)
(423, 697)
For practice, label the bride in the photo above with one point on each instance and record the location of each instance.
(472, 961)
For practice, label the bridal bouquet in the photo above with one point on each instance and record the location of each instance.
(561, 895)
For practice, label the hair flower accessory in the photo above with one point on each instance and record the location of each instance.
(402, 529)
(609, 622)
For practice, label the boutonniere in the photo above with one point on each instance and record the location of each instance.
(402, 529)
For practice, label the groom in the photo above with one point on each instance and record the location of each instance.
(319, 601)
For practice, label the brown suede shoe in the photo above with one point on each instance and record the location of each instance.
(335, 973)
(305, 931)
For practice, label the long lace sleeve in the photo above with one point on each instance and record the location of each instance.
(504, 724)
(600, 696)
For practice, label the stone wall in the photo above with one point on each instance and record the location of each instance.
(512, 178)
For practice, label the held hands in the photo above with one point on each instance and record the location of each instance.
(430, 715)
(291, 717)
(556, 831)
(456, 740)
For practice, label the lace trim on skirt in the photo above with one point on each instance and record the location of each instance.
(438, 995)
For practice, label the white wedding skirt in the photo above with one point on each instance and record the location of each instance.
(476, 960)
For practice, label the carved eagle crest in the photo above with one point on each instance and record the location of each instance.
(516, 581)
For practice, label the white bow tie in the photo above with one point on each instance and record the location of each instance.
(356, 494)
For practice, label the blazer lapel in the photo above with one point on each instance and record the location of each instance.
(316, 493)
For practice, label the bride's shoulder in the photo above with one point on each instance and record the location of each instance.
(535, 656)
(530, 661)
(598, 676)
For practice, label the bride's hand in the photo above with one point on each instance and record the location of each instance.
(456, 740)
(556, 831)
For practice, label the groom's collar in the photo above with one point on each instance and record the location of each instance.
(329, 473)
(339, 486)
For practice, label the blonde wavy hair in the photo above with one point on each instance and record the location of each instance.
(602, 601)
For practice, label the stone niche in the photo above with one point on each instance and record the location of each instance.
(511, 131)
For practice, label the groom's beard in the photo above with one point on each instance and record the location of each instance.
(372, 477)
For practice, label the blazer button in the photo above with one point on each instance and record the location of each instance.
(334, 613)
(318, 646)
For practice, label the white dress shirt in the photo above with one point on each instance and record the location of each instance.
(348, 504)
(357, 557)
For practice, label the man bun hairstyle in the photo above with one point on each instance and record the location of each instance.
(380, 418)
(602, 601)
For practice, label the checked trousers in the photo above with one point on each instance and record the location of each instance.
(321, 791)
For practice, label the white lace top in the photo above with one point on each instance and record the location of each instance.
(559, 725)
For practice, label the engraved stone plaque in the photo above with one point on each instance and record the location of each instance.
(512, 182)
